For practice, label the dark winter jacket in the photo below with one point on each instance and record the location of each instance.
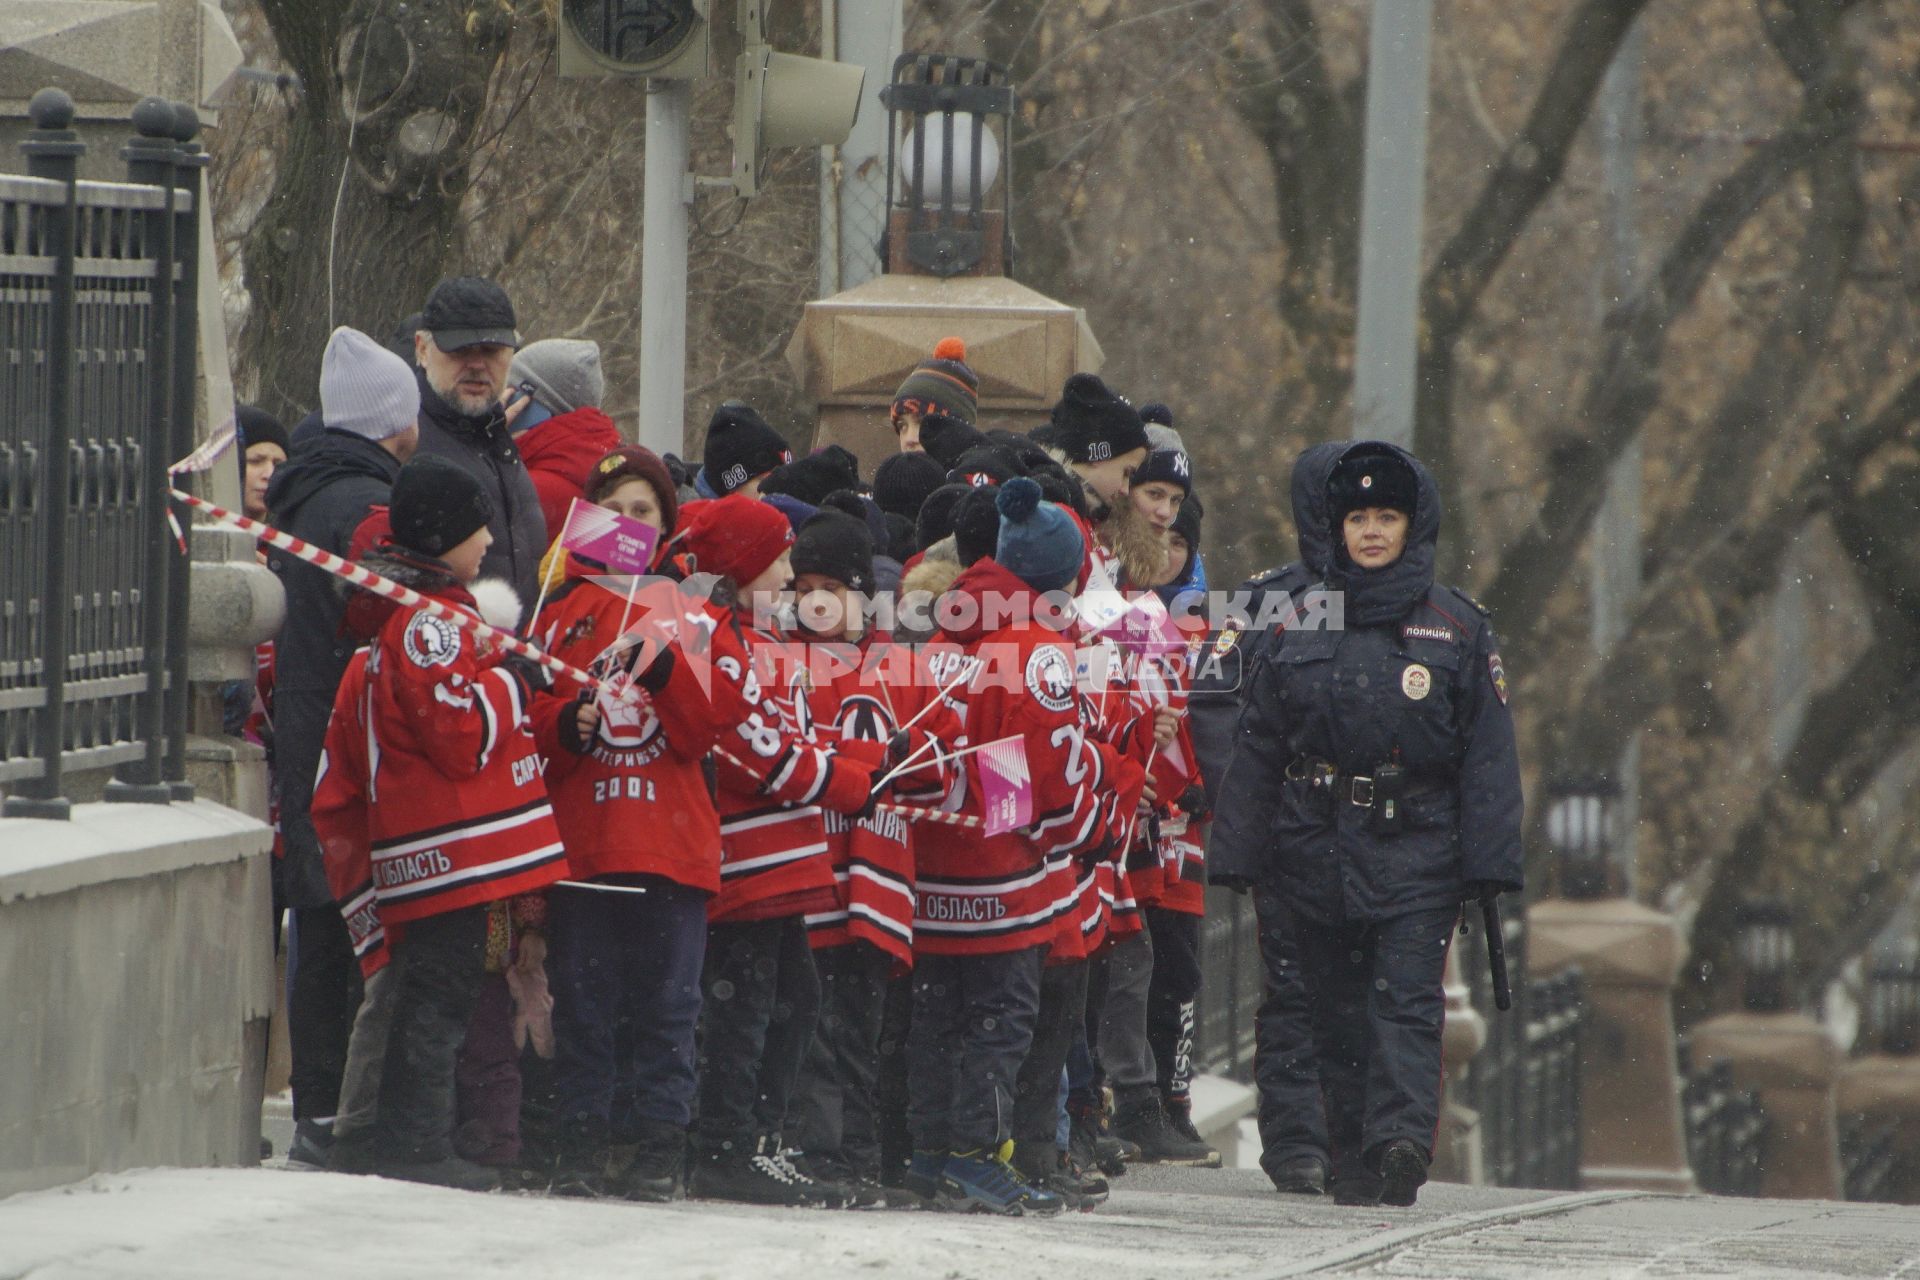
(559, 453)
(483, 445)
(1233, 651)
(321, 496)
(1414, 677)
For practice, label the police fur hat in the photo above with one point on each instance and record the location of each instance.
(1371, 476)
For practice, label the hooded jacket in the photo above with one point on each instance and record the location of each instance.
(1413, 678)
(483, 446)
(320, 497)
(559, 452)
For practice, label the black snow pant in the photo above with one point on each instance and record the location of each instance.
(1286, 1068)
(890, 1081)
(438, 966)
(973, 1020)
(1061, 1014)
(833, 1108)
(761, 1001)
(1171, 998)
(1378, 1009)
(322, 997)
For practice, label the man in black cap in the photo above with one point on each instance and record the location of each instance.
(464, 347)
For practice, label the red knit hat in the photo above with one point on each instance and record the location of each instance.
(736, 537)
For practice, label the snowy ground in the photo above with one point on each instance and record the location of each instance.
(228, 1224)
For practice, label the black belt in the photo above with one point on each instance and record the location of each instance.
(1323, 775)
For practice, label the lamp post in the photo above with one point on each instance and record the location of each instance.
(1765, 946)
(1582, 828)
(947, 119)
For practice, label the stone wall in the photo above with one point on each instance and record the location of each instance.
(138, 973)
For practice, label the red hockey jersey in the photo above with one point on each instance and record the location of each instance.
(637, 802)
(980, 894)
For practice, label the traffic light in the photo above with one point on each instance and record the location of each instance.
(663, 39)
(786, 100)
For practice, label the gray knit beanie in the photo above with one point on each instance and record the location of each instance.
(365, 388)
(565, 373)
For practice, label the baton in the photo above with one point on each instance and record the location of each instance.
(1496, 953)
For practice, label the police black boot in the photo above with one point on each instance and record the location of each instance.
(1143, 1120)
(1403, 1168)
(1298, 1176)
(657, 1172)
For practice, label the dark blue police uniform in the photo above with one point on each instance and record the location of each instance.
(1374, 785)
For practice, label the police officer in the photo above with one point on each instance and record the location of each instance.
(1374, 776)
(1286, 1071)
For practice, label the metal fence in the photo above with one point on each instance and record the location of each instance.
(97, 359)
(1525, 1081)
(1869, 1150)
(1726, 1129)
(1230, 994)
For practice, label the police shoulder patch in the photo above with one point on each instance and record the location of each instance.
(1421, 631)
(1049, 677)
(430, 641)
(1498, 671)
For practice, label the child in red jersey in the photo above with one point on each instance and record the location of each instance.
(438, 811)
(776, 776)
(630, 795)
(861, 686)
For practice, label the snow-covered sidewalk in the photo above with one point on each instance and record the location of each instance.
(223, 1224)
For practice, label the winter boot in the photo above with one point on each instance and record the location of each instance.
(356, 1152)
(1298, 1176)
(1092, 1144)
(580, 1162)
(1144, 1121)
(922, 1177)
(454, 1171)
(1362, 1192)
(1180, 1117)
(979, 1181)
(312, 1140)
(1403, 1168)
(657, 1172)
(761, 1176)
(1040, 1165)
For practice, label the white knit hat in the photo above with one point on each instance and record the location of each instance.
(365, 388)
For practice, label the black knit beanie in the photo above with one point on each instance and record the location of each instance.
(1186, 523)
(740, 446)
(903, 481)
(837, 546)
(436, 506)
(985, 464)
(902, 543)
(813, 477)
(935, 520)
(945, 439)
(1093, 424)
(976, 524)
(1165, 466)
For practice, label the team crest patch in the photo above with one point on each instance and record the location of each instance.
(1416, 681)
(1050, 678)
(1499, 674)
(1419, 631)
(431, 641)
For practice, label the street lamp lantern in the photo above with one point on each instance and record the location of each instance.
(1583, 815)
(1766, 954)
(1893, 1006)
(947, 148)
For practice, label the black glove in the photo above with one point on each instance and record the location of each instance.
(899, 747)
(1234, 884)
(654, 678)
(1193, 803)
(571, 736)
(534, 677)
(1481, 890)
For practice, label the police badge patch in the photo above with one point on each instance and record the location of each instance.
(1499, 674)
(1050, 678)
(430, 641)
(1228, 638)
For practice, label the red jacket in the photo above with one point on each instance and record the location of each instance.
(340, 818)
(866, 692)
(559, 453)
(981, 894)
(452, 806)
(637, 802)
(775, 775)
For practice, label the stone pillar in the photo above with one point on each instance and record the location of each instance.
(1884, 1088)
(1457, 1152)
(1792, 1064)
(852, 350)
(1632, 1135)
(236, 603)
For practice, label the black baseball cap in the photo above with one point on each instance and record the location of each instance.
(465, 311)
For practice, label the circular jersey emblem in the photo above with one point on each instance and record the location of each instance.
(1416, 681)
(1050, 678)
(431, 641)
